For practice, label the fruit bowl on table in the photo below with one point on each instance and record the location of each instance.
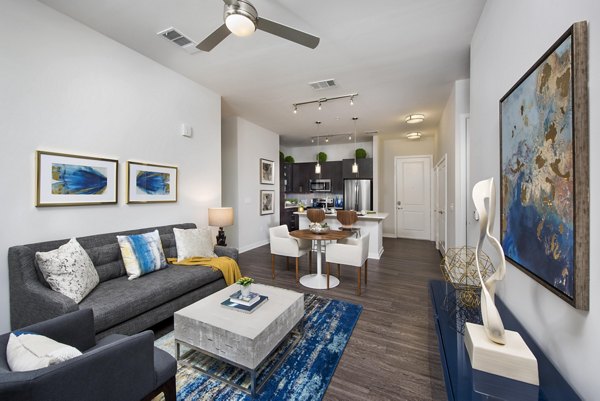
(318, 228)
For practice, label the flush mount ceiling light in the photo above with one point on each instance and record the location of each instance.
(324, 100)
(415, 118)
(241, 19)
(414, 135)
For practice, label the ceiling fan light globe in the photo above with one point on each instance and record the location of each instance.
(240, 25)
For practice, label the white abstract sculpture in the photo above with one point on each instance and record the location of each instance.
(492, 322)
(491, 348)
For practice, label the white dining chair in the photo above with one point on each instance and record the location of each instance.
(351, 252)
(283, 244)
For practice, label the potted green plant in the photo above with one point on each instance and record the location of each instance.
(289, 159)
(361, 153)
(281, 156)
(322, 157)
(245, 282)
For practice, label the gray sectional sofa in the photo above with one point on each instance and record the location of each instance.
(119, 305)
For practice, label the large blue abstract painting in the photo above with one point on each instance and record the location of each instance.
(149, 183)
(538, 216)
(71, 179)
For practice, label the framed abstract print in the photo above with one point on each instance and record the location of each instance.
(151, 183)
(544, 168)
(267, 171)
(267, 202)
(73, 180)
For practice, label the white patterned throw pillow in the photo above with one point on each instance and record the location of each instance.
(69, 270)
(194, 242)
(29, 351)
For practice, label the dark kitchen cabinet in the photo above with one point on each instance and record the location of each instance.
(365, 168)
(302, 173)
(287, 217)
(286, 174)
(333, 172)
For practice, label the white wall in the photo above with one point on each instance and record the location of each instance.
(449, 140)
(245, 144)
(510, 37)
(390, 146)
(66, 88)
(334, 151)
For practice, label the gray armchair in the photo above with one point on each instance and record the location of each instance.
(117, 367)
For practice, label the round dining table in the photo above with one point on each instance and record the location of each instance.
(319, 281)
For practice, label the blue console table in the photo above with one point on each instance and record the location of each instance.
(465, 384)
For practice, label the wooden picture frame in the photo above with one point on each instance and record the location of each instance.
(267, 202)
(544, 169)
(73, 180)
(151, 183)
(267, 172)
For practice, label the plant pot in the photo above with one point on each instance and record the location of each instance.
(246, 290)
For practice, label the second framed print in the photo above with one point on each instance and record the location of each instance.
(267, 202)
(151, 183)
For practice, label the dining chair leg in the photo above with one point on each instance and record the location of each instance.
(287, 262)
(273, 266)
(297, 279)
(366, 265)
(310, 261)
(328, 267)
(339, 272)
(358, 289)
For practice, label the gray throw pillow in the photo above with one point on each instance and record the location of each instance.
(69, 270)
(194, 242)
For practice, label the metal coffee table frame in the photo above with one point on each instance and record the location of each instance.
(297, 331)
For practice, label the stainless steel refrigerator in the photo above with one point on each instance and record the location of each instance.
(358, 194)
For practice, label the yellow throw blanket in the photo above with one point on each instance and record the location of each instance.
(229, 267)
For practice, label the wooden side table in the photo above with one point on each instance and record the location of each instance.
(319, 280)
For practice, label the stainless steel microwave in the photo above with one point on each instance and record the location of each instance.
(322, 185)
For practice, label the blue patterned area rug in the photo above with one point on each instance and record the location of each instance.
(304, 375)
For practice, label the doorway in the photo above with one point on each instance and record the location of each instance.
(413, 196)
(440, 217)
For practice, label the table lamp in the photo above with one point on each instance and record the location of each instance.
(220, 217)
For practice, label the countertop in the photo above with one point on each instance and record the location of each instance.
(371, 216)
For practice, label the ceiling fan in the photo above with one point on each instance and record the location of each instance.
(241, 19)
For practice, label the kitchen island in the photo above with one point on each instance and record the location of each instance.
(369, 223)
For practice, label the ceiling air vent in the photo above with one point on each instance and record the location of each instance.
(174, 36)
(325, 84)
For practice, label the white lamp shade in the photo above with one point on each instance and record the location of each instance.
(317, 168)
(240, 25)
(355, 168)
(220, 216)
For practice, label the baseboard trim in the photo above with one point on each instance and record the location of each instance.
(250, 247)
(389, 235)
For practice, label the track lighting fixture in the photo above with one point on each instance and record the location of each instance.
(322, 100)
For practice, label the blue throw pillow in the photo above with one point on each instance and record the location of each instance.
(142, 253)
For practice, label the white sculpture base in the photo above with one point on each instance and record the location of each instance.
(513, 360)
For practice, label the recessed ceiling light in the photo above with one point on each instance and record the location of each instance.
(415, 118)
(414, 135)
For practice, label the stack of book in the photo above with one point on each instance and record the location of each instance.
(244, 303)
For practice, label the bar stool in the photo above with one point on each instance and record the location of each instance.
(347, 218)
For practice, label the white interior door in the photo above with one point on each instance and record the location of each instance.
(441, 202)
(413, 197)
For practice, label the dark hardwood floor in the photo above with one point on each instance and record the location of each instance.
(392, 354)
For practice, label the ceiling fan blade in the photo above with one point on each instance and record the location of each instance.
(214, 39)
(288, 33)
